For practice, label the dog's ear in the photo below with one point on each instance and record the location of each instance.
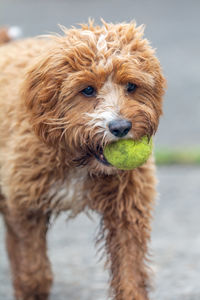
(41, 91)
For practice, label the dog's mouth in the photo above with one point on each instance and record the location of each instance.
(97, 153)
(100, 157)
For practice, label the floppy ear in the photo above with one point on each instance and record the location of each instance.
(41, 91)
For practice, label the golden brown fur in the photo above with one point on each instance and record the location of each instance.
(4, 35)
(49, 136)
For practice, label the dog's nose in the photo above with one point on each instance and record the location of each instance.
(119, 127)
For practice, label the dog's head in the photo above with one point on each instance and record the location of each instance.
(95, 85)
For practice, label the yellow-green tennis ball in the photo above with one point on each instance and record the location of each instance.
(128, 154)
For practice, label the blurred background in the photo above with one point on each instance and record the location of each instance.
(173, 27)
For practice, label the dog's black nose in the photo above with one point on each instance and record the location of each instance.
(119, 127)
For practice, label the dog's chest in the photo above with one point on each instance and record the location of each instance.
(68, 194)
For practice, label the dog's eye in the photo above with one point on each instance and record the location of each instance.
(89, 91)
(131, 87)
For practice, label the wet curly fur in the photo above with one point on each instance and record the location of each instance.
(51, 141)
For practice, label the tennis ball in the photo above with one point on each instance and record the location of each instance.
(128, 154)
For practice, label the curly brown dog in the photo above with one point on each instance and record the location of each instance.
(58, 96)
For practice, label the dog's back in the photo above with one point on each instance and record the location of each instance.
(15, 59)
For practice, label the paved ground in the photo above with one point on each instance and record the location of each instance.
(175, 246)
(173, 28)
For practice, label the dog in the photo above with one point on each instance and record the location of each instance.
(58, 96)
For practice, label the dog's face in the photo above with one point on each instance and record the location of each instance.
(96, 85)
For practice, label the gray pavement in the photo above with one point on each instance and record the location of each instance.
(173, 28)
(175, 247)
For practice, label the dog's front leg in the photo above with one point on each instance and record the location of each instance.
(126, 245)
(26, 244)
(125, 203)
